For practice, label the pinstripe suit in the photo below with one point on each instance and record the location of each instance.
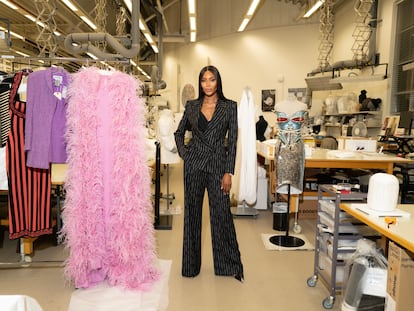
(206, 158)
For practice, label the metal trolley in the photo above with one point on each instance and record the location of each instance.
(336, 237)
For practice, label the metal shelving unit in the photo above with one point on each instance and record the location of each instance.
(336, 237)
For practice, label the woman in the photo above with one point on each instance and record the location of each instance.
(209, 159)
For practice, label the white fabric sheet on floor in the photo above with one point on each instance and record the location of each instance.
(18, 303)
(106, 298)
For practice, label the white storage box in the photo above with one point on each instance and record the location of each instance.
(357, 144)
(266, 148)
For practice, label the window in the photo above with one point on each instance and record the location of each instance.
(403, 82)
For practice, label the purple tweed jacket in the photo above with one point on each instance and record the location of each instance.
(46, 117)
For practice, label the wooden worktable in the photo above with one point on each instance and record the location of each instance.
(401, 233)
(324, 158)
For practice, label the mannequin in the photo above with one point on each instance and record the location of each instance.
(289, 159)
(169, 154)
(261, 128)
(289, 151)
(166, 128)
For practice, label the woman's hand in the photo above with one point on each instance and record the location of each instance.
(226, 183)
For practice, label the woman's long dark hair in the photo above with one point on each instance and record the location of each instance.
(216, 74)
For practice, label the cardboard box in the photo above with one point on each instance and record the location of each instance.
(400, 280)
(308, 207)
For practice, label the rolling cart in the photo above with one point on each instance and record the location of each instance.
(336, 236)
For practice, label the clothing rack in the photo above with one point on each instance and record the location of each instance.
(161, 222)
(49, 61)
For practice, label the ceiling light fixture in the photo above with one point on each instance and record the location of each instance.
(9, 4)
(70, 5)
(93, 56)
(193, 20)
(250, 12)
(88, 21)
(13, 33)
(143, 27)
(139, 69)
(314, 8)
(21, 53)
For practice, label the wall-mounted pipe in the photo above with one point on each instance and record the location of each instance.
(82, 42)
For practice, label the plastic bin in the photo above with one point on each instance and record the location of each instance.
(280, 222)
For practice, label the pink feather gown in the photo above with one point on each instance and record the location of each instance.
(107, 216)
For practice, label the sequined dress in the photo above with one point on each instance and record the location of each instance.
(290, 153)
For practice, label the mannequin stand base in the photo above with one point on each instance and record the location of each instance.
(243, 210)
(164, 223)
(286, 241)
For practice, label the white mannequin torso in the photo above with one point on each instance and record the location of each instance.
(290, 106)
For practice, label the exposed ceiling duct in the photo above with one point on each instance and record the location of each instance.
(83, 42)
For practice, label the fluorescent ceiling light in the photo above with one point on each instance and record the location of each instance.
(13, 33)
(34, 20)
(155, 48)
(193, 36)
(253, 7)
(193, 23)
(88, 21)
(17, 35)
(141, 25)
(148, 37)
(191, 7)
(9, 4)
(193, 20)
(313, 9)
(91, 55)
(143, 72)
(243, 24)
(128, 4)
(70, 5)
(21, 53)
(249, 15)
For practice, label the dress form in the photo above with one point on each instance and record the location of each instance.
(289, 159)
(290, 154)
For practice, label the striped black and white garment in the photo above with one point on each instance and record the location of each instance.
(4, 112)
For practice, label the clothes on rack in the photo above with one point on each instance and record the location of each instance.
(29, 188)
(246, 155)
(107, 219)
(46, 117)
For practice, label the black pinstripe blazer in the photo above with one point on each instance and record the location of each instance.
(213, 150)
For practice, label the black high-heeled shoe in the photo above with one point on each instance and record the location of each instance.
(239, 277)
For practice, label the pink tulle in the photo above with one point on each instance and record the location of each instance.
(108, 212)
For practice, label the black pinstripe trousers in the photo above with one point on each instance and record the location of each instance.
(226, 254)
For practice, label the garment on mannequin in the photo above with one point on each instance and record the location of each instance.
(289, 149)
(261, 127)
(166, 129)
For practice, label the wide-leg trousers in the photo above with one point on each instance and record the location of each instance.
(226, 254)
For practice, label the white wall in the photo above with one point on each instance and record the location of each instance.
(261, 59)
